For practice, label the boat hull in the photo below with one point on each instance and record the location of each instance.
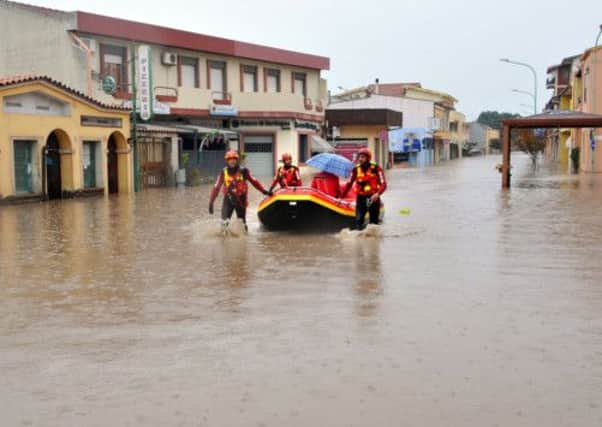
(306, 209)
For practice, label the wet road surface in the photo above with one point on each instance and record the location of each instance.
(480, 308)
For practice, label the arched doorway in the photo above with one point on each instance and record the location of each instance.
(118, 168)
(57, 164)
(112, 165)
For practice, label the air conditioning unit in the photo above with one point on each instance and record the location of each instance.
(169, 58)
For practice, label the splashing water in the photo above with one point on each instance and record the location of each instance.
(372, 231)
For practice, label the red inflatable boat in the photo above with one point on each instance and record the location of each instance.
(309, 208)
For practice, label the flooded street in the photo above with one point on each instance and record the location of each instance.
(479, 308)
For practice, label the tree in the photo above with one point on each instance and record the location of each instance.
(493, 119)
(528, 142)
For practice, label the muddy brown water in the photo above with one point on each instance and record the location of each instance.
(480, 308)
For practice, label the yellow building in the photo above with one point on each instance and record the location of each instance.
(56, 142)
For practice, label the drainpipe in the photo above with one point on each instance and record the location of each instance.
(593, 94)
(89, 57)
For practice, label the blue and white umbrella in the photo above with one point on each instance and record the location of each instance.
(331, 163)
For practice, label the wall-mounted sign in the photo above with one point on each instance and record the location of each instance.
(161, 107)
(282, 124)
(307, 125)
(103, 122)
(158, 107)
(145, 82)
(223, 110)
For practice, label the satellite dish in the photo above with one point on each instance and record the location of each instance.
(109, 85)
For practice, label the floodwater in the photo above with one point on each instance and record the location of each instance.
(479, 308)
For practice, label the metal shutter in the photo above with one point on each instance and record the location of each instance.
(259, 150)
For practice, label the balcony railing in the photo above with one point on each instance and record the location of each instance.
(166, 94)
(221, 98)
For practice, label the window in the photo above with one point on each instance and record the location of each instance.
(217, 79)
(189, 72)
(113, 62)
(303, 148)
(89, 162)
(299, 84)
(249, 78)
(272, 80)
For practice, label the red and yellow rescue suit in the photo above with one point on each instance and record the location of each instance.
(287, 176)
(369, 180)
(235, 190)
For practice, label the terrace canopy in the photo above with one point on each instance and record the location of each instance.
(548, 120)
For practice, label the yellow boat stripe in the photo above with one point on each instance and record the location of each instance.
(350, 212)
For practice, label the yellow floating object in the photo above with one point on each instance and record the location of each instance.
(405, 211)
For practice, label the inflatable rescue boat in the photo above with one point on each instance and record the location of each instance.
(308, 208)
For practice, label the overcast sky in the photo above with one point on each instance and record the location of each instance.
(449, 46)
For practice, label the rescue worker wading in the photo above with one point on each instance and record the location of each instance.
(370, 184)
(234, 181)
(288, 174)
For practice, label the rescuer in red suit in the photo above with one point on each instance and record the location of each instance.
(370, 184)
(233, 179)
(287, 175)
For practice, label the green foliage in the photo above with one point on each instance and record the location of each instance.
(575, 158)
(494, 119)
(184, 160)
(528, 142)
(193, 177)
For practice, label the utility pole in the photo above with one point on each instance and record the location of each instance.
(134, 132)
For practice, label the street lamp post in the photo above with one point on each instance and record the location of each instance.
(530, 67)
(531, 94)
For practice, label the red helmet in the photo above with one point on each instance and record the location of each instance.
(231, 155)
(366, 152)
(286, 156)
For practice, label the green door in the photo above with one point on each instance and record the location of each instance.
(89, 164)
(23, 167)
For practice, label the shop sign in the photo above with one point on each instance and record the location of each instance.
(161, 107)
(223, 110)
(145, 97)
(307, 125)
(282, 124)
(158, 107)
(103, 122)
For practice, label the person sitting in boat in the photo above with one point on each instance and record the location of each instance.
(287, 174)
(370, 184)
(234, 180)
(327, 183)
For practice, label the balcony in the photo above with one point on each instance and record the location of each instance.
(248, 102)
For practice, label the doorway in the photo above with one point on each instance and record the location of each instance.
(23, 166)
(112, 165)
(52, 159)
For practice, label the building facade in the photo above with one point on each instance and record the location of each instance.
(561, 77)
(364, 128)
(587, 98)
(480, 137)
(273, 99)
(56, 142)
(426, 113)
